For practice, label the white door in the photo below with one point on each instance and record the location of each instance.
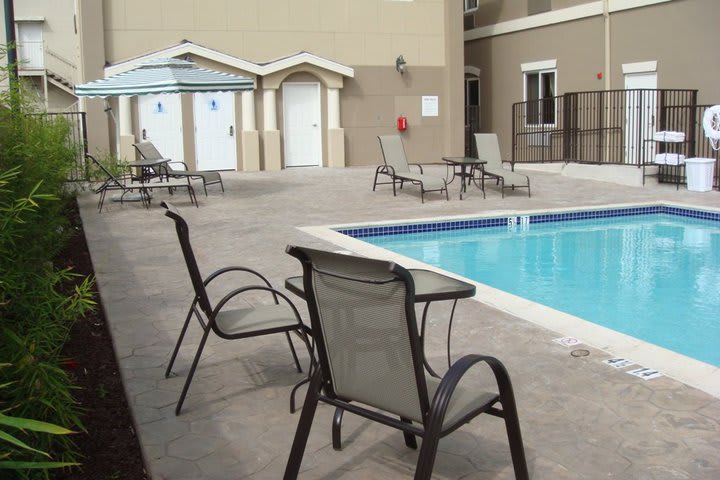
(301, 120)
(640, 111)
(161, 123)
(30, 45)
(215, 147)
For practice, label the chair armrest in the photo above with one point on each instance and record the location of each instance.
(217, 273)
(179, 162)
(453, 376)
(417, 165)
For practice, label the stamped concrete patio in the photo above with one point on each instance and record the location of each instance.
(580, 418)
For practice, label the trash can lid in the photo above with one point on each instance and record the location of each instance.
(699, 160)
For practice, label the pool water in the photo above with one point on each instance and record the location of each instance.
(655, 277)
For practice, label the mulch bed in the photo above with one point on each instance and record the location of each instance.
(110, 448)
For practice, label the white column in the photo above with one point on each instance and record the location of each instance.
(248, 110)
(333, 114)
(269, 108)
(125, 115)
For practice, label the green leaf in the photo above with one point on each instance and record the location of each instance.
(19, 443)
(27, 465)
(34, 425)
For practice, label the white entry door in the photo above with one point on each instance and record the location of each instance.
(215, 147)
(301, 120)
(161, 123)
(640, 112)
(30, 45)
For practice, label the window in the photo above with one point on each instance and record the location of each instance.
(470, 6)
(540, 87)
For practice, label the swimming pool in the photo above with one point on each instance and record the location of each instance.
(651, 272)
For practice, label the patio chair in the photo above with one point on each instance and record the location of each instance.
(231, 322)
(113, 183)
(397, 168)
(488, 149)
(148, 151)
(370, 360)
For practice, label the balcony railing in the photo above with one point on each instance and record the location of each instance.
(34, 56)
(612, 127)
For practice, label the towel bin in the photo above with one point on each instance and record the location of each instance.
(699, 174)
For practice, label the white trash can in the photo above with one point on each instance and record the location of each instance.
(699, 174)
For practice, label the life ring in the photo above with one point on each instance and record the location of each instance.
(711, 124)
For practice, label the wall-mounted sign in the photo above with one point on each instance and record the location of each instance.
(430, 106)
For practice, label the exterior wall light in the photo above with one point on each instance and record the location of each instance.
(400, 64)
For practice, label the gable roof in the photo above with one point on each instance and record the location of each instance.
(187, 47)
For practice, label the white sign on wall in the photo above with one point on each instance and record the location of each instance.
(429, 106)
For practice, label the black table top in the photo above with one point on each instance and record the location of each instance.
(429, 286)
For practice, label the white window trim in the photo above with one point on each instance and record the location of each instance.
(466, 10)
(540, 65)
(639, 67)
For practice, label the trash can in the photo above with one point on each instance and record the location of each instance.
(699, 174)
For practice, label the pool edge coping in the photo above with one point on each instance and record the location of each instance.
(682, 368)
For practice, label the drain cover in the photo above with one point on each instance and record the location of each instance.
(581, 352)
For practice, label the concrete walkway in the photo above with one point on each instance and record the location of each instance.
(580, 418)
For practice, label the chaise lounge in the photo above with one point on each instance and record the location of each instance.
(397, 168)
(148, 151)
(488, 149)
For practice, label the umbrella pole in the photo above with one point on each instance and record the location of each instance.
(109, 111)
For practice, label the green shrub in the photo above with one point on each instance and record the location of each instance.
(38, 303)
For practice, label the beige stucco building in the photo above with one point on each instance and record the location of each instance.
(325, 76)
(525, 50)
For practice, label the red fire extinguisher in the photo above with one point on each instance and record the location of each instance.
(402, 123)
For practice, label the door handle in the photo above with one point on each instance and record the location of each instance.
(314, 124)
(231, 130)
(144, 134)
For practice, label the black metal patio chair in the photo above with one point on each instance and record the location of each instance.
(231, 323)
(371, 361)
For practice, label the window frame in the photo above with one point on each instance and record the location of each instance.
(540, 72)
(470, 6)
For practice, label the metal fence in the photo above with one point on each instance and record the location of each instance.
(609, 126)
(77, 138)
(472, 126)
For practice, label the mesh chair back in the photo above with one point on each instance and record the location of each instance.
(394, 153)
(369, 348)
(111, 179)
(183, 233)
(488, 149)
(148, 150)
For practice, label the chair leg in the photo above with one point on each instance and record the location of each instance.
(179, 340)
(377, 172)
(101, 201)
(294, 354)
(196, 360)
(337, 428)
(304, 424)
(410, 440)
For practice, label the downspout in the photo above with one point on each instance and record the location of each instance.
(606, 22)
(606, 39)
(10, 39)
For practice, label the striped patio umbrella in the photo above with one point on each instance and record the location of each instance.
(164, 75)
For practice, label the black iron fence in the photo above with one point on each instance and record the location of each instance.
(77, 138)
(472, 126)
(609, 126)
